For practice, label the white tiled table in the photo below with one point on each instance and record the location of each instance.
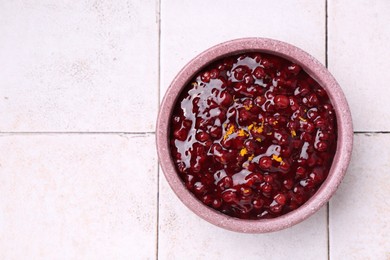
(80, 84)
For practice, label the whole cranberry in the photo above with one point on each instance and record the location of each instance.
(199, 187)
(301, 172)
(253, 136)
(280, 198)
(281, 101)
(216, 203)
(225, 98)
(202, 136)
(229, 195)
(265, 162)
(205, 77)
(214, 73)
(259, 73)
(180, 134)
(288, 184)
(240, 71)
(322, 146)
(225, 183)
(248, 79)
(258, 203)
(266, 188)
(250, 145)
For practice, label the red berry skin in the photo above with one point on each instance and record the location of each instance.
(322, 146)
(214, 73)
(180, 134)
(265, 162)
(199, 187)
(205, 77)
(268, 178)
(229, 196)
(276, 208)
(260, 100)
(207, 199)
(253, 179)
(294, 69)
(294, 104)
(281, 101)
(280, 199)
(266, 188)
(257, 203)
(225, 183)
(253, 136)
(288, 184)
(202, 136)
(217, 203)
(239, 72)
(259, 73)
(226, 98)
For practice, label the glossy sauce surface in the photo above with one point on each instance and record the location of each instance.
(253, 136)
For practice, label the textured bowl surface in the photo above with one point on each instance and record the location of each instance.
(317, 71)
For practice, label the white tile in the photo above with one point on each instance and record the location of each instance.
(78, 65)
(360, 210)
(183, 235)
(78, 197)
(359, 58)
(186, 33)
(190, 27)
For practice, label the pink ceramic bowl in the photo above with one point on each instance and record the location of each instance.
(317, 71)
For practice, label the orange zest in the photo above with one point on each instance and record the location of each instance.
(248, 107)
(229, 132)
(243, 151)
(242, 132)
(293, 133)
(277, 158)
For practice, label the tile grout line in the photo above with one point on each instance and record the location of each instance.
(326, 65)
(158, 106)
(327, 229)
(326, 33)
(158, 210)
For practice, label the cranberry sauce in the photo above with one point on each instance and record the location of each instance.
(253, 136)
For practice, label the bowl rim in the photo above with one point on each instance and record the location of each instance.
(317, 71)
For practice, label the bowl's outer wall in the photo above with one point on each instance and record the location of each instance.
(316, 70)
